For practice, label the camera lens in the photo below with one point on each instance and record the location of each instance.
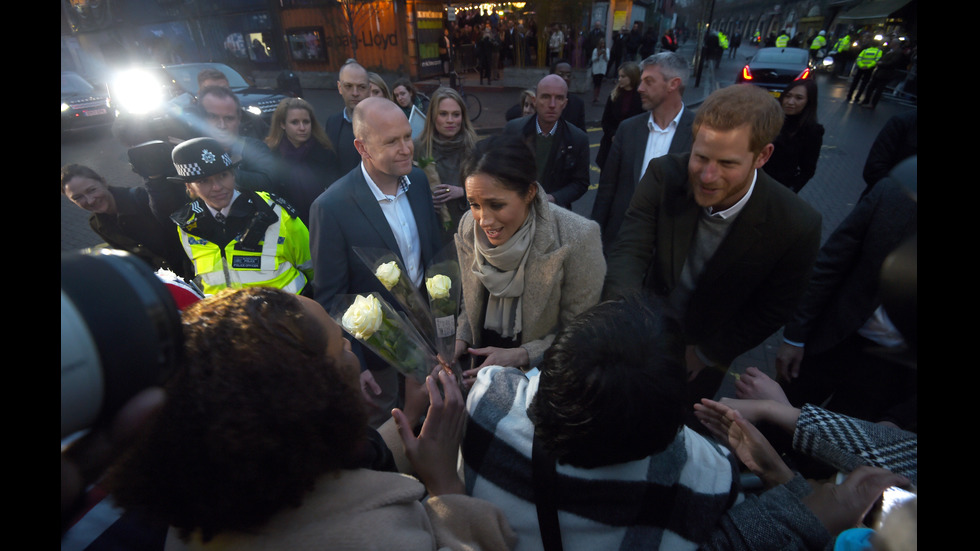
(121, 333)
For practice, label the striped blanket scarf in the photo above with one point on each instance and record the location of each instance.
(670, 500)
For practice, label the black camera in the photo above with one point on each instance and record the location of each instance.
(120, 333)
(152, 159)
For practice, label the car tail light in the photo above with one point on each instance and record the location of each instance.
(746, 73)
(804, 75)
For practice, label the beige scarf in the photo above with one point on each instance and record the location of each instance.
(501, 270)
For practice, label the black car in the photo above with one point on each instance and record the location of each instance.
(83, 105)
(775, 68)
(158, 103)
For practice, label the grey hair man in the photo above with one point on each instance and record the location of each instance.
(665, 128)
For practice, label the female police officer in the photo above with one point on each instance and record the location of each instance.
(237, 238)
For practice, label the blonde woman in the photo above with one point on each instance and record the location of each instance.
(447, 138)
(378, 86)
(308, 161)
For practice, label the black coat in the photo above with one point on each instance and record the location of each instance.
(566, 174)
(136, 230)
(626, 105)
(794, 158)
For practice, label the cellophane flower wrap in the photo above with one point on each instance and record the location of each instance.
(385, 266)
(428, 166)
(375, 324)
(442, 282)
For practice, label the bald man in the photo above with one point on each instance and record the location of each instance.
(353, 85)
(382, 203)
(561, 149)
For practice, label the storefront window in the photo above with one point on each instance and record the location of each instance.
(306, 44)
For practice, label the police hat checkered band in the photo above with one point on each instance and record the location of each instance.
(200, 158)
(209, 158)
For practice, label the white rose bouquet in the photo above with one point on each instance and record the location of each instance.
(375, 324)
(442, 281)
(433, 321)
(386, 267)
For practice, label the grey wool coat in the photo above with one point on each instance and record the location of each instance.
(564, 275)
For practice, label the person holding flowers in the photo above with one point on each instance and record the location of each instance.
(383, 203)
(446, 139)
(527, 266)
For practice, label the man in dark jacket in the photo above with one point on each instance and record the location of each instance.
(574, 111)
(561, 149)
(728, 248)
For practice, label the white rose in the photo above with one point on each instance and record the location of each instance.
(388, 273)
(438, 286)
(363, 317)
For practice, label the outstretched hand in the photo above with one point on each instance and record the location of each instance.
(788, 359)
(434, 452)
(748, 444)
(507, 357)
(842, 506)
(754, 384)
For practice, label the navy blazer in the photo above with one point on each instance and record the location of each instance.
(623, 168)
(347, 215)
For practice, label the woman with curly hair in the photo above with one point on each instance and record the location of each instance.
(446, 139)
(263, 443)
(404, 93)
(308, 160)
(623, 103)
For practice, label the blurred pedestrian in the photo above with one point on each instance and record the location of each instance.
(668, 42)
(523, 107)
(600, 61)
(889, 69)
(736, 42)
(866, 62)
(623, 103)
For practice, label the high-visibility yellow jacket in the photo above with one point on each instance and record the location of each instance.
(722, 40)
(270, 246)
(843, 44)
(818, 42)
(782, 41)
(868, 57)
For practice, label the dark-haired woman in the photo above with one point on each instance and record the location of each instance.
(262, 444)
(528, 266)
(797, 147)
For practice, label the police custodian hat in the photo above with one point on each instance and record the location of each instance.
(198, 158)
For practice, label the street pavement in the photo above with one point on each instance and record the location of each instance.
(849, 132)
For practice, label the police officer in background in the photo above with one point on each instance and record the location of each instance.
(783, 39)
(865, 63)
(817, 44)
(842, 54)
(237, 238)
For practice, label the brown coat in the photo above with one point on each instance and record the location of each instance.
(565, 272)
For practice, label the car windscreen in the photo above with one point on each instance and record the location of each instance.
(780, 55)
(74, 84)
(186, 76)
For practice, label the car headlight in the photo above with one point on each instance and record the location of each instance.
(65, 107)
(253, 109)
(138, 91)
(828, 60)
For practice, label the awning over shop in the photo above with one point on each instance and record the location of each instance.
(874, 9)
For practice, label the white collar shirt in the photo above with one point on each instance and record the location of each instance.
(551, 132)
(227, 210)
(401, 220)
(658, 142)
(732, 211)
